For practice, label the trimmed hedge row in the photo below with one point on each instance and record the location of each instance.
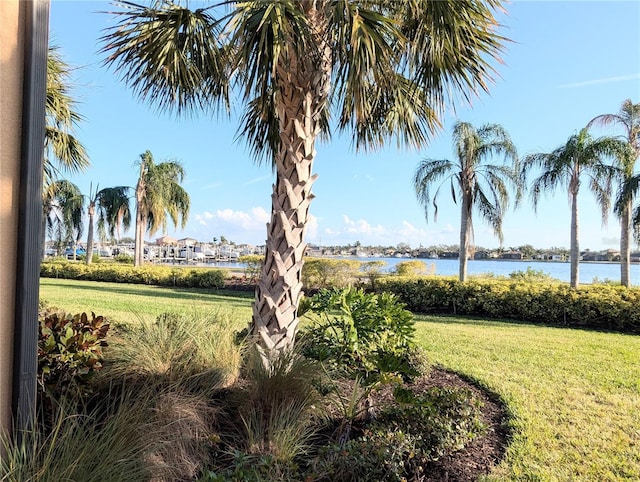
(148, 274)
(604, 307)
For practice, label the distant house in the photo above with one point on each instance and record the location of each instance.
(450, 255)
(481, 255)
(187, 242)
(554, 257)
(166, 241)
(593, 256)
(635, 257)
(511, 255)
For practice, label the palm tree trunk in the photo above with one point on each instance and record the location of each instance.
(465, 228)
(625, 245)
(91, 211)
(575, 247)
(138, 247)
(303, 84)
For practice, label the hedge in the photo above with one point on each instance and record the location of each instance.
(148, 274)
(605, 307)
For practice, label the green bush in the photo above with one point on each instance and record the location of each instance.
(364, 333)
(69, 351)
(404, 438)
(253, 266)
(319, 273)
(604, 307)
(147, 274)
(414, 268)
(442, 419)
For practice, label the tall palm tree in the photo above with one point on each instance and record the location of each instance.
(62, 150)
(565, 166)
(476, 183)
(112, 205)
(62, 212)
(385, 68)
(628, 118)
(158, 194)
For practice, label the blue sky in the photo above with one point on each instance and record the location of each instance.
(568, 62)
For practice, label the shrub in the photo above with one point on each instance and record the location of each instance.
(69, 351)
(531, 275)
(442, 420)
(404, 438)
(415, 268)
(147, 274)
(319, 273)
(253, 265)
(363, 333)
(598, 306)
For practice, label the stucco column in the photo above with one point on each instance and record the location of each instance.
(23, 51)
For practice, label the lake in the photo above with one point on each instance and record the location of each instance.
(558, 270)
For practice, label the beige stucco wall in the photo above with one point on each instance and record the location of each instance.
(11, 71)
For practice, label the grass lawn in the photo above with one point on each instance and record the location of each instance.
(574, 396)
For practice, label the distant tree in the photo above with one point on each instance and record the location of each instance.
(112, 206)
(158, 195)
(627, 118)
(62, 212)
(566, 166)
(473, 181)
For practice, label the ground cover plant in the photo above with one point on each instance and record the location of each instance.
(573, 395)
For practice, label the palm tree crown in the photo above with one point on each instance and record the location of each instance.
(477, 184)
(112, 206)
(62, 212)
(159, 197)
(384, 68)
(581, 156)
(61, 118)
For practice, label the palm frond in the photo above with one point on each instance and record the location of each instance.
(451, 45)
(169, 55)
(428, 172)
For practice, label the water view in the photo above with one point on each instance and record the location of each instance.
(559, 270)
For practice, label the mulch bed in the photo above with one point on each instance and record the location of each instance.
(483, 453)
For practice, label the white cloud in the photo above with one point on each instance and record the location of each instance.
(362, 227)
(605, 80)
(257, 180)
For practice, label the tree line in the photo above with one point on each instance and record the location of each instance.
(481, 186)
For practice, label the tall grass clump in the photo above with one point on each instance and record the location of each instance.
(103, 445)
(197, 351)
(277, 404)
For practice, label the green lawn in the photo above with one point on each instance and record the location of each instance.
(574, 396)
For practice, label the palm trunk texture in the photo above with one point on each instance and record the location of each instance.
(303, 84)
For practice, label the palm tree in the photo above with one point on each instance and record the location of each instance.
(158, 194)
(476, 183)
(112, 204)
(62, 150)
(61, 117)
(565, 166)
(385, 68)
(62, 212)
(629, 119)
